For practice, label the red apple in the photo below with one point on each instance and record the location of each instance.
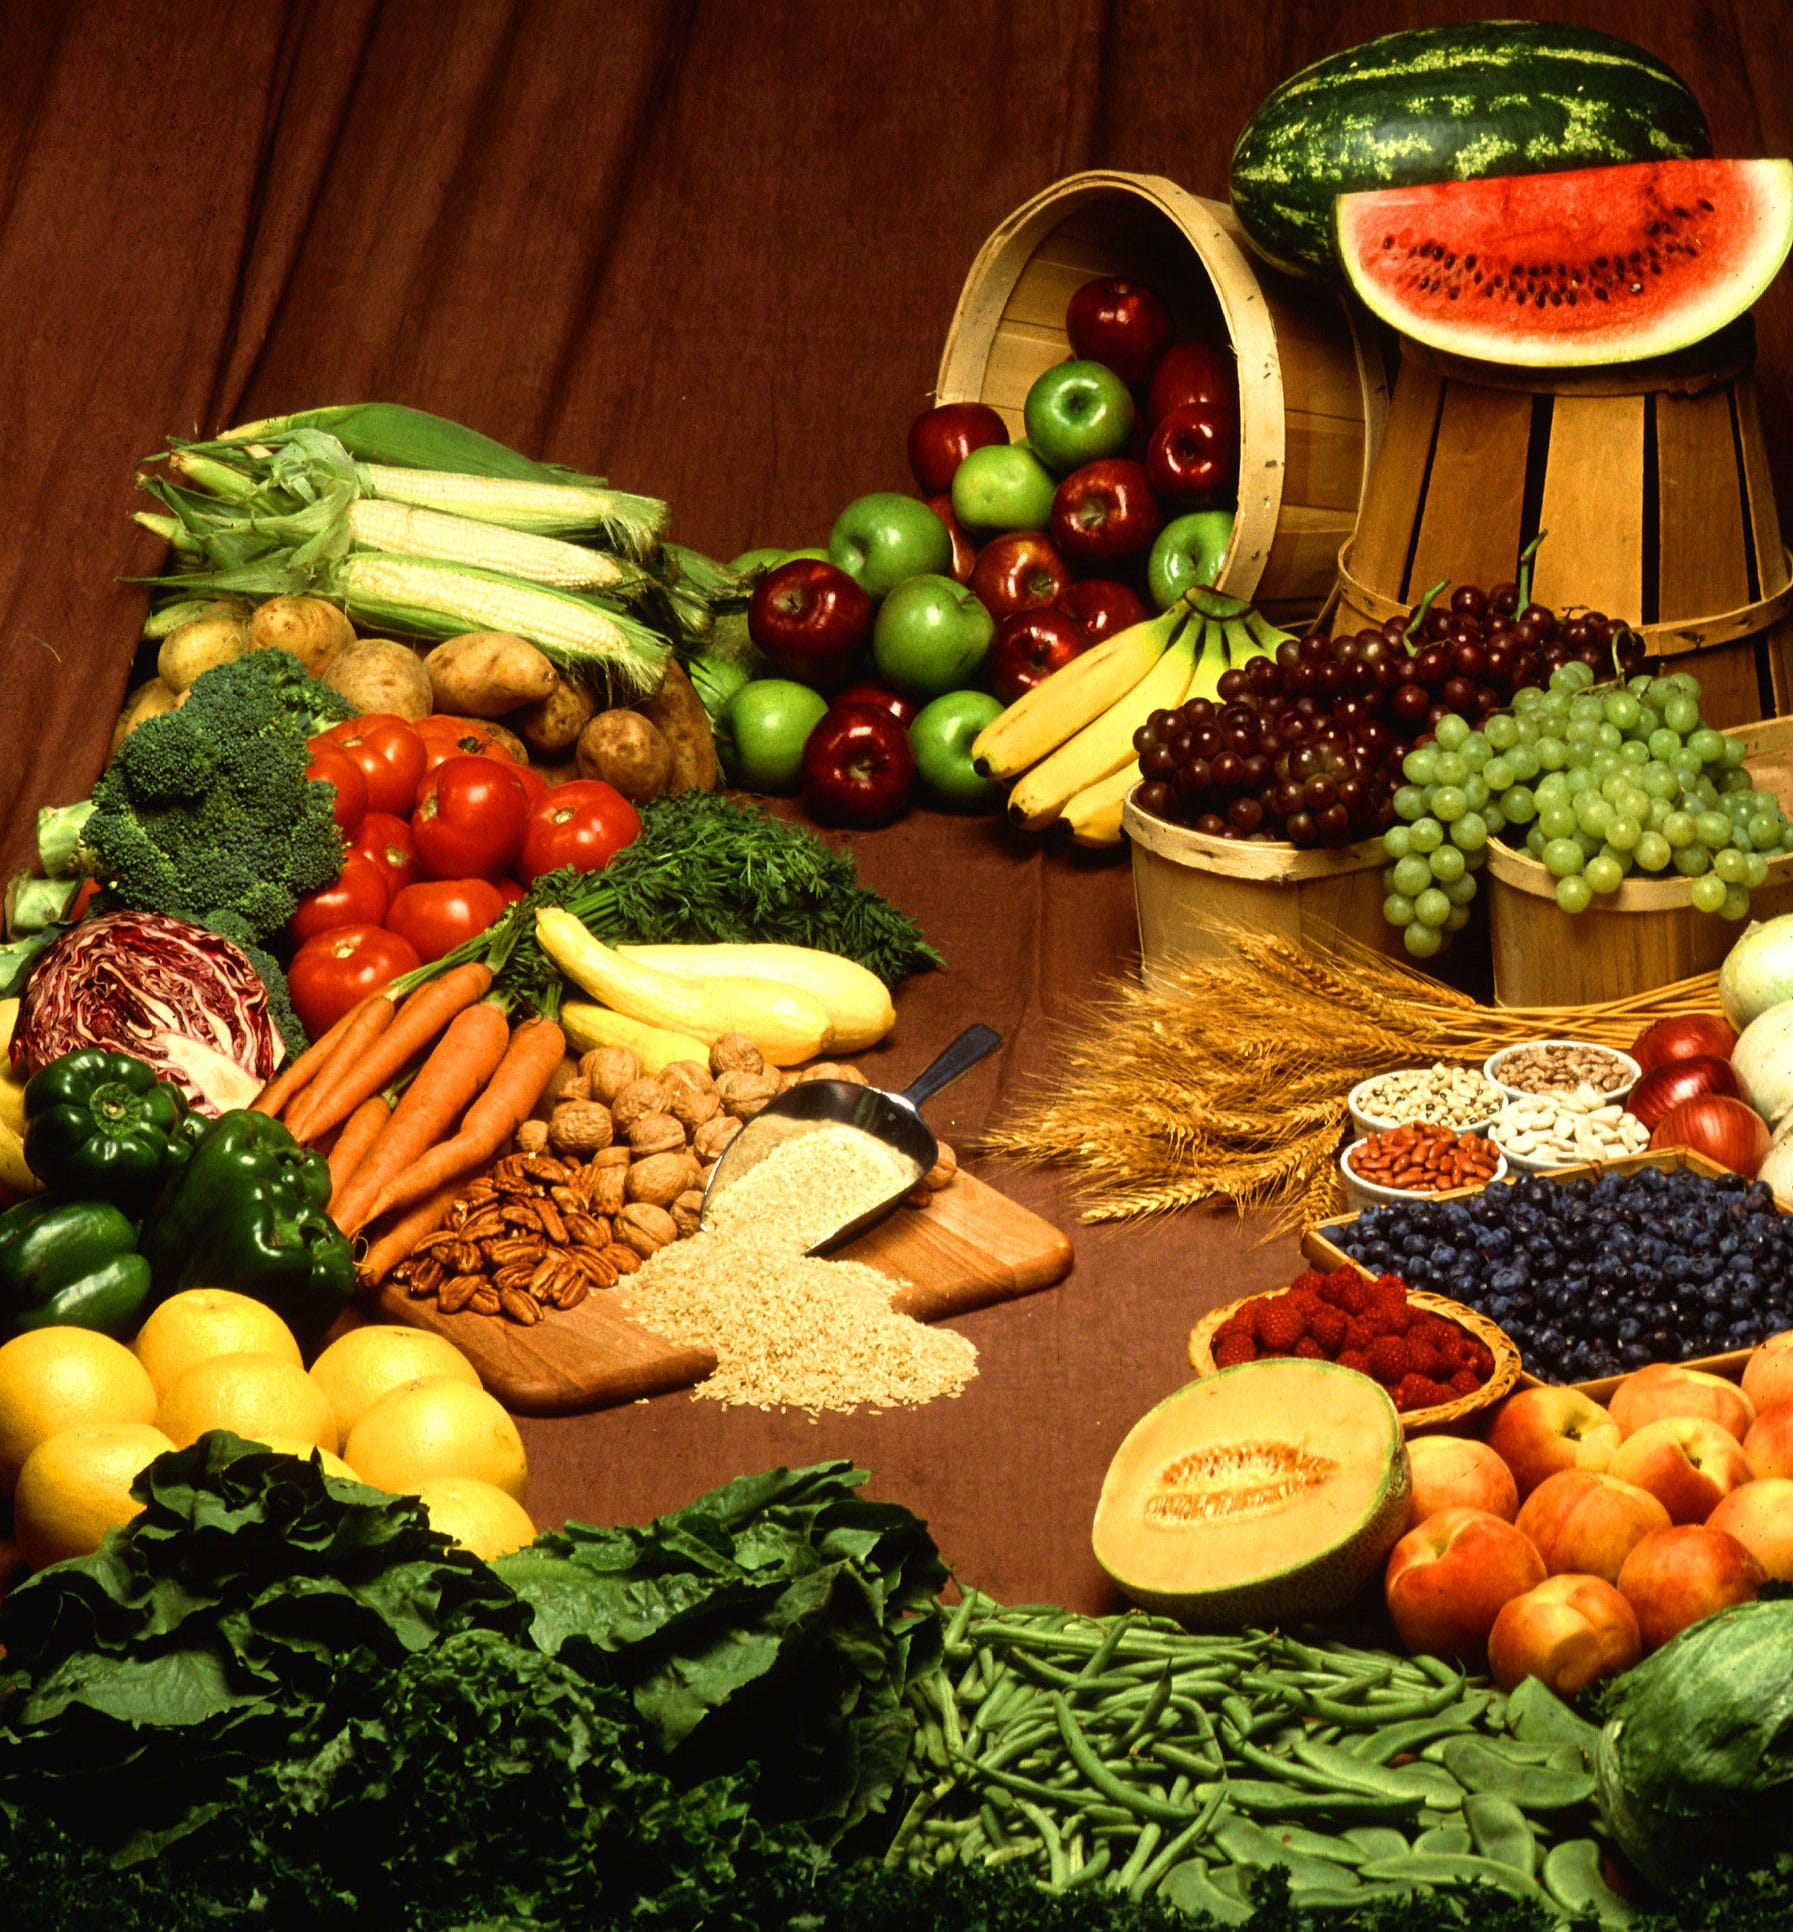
(1686, 1462)
(1028, 647)
(812, 621)
(964, 550)
(1760, 1516)
(858, 767)
(1666, 1388)
(1676, 1576)
(1193, 456)
(1567, 1632)
(941, 438)
(1103, 606)
(880, 697)
(1104, 516)
(1193, 372)
(1768, 1447)
(1457, 1472)
(1018, 571)
(1539, 1431)
(1768, 1374)
(1122, 323)
(1586, 1521)
(1447, 1579)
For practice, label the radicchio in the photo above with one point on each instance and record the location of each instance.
(183, 999)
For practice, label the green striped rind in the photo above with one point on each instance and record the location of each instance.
(1446, 104)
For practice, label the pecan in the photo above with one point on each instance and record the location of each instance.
(414, 1286)
(519, 1307)
(571, 1291)
(553, 1227)
(485, 1300)
(587, 1231)
(547, 1272)
(515, 1274)
(482, 1226)
(545, 1168)
(656, 1134)
(521, 1214)
(428, 1275)
(484, 1189)
(571, 1200)
(463, 1256)
(624, 1260)
(517, 1248)
(457, 1291)
(442, 1238)
(597, 1270)
(508, 1173)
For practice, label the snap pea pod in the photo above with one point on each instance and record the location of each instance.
(1188, 1888)
(1249, 1845)
(1501, 1831)
(1376, 1841)
(1455, 1873)
(1347, 1773)
(1490, 1764)
(1573, 1877)
(1443, 1792)
(1261, 1798)
(1338, 1848)
(1537, 1715)
(1443, 1841)
(1390, 1740)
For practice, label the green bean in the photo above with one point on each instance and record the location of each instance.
(1091, 1870)
(1482, 1764)
(1377, 1747)
(992, 1713)
(1198, 1828)
(1574, 1878)
(1145, 1842)
(1455, 1872)
(1104, 1653)
(1501, 1831)
(1153, 1708)
(960, 1619)
(1187, 1887)
(1019, 1742)
(1012, 1854)
(1353, 1716)
(1180, 1760)
(949, 1715)
(994, 1829)
(1440, 1671)
(1284, 1768)
(1055, 1850)
(1104, 1779)
(923, 1802)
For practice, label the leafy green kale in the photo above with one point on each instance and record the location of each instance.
(206, 812)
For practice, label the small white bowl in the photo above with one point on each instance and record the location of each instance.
(1618, 1095)
(1367, 1194)
(1367, 1123)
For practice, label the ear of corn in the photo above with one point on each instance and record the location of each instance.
(401, 530)
(381, 432)
(629, 523)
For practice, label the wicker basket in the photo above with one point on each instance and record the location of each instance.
(1441, 1416)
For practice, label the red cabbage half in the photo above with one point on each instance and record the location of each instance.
(173, 994)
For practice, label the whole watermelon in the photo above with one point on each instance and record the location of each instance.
(1447, 104)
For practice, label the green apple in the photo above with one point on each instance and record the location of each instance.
(789, 556)
(941, 734)
(761, 733)
(1077, 413)
(757, 562)
(880, 539)
(1189, 550)
(1003, 486)
(930, 636)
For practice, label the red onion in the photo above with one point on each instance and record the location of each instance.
(1668, 1085)
(1723, 1129)
(1687, 1036)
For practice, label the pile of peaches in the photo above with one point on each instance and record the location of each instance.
(1576, 1537)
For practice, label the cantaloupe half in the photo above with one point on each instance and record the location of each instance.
(1262, 1494)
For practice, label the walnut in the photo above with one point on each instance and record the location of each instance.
(607, 1176)
(687, 1073)
(656, 1134)
(579, 1127)
(687, 1211)
(735, 1053)
(831, 1070)
(642, 1096)
(577, 1088)
(714, 1135)
(692, 1106)
(661, 1178)
(532, 1136)
(744, 1094)
(645, 1227)
(942, 1172)
(609, 1069)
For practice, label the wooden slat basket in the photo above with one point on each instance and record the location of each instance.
(1312, 388)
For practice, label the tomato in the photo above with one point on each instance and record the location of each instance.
(387, 840)
(337, 970)
(535, 786)
(333, 764)
(390, 754)
(469, 819)
(583, 823)
(447, 737)
(508, 890)
(358, 898)
(436, 915)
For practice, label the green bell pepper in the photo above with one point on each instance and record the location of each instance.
(70, 1264)
(248, 1211)
(100, 1126)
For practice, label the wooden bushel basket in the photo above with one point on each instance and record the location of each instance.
(1651, 480)
(1312, 392)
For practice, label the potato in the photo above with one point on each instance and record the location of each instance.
(503, 735)
(315, 630)
(677, 712)
(484, 674)
(214, 638)
(376, 674)
(628, 751)
(553, 724)
(151, 699)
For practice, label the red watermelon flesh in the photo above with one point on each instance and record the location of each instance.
(1594, 265)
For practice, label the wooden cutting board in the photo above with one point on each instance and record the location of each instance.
(968, 1247)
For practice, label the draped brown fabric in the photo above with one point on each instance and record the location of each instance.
(709, 250)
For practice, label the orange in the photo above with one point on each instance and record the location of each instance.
(479, 1516)
(199, 1323)
(253, 1395)
(65, 1378)
(434, 1427)
(361, 1366)
(76, 1485)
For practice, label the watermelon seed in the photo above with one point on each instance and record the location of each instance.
(1705, 205)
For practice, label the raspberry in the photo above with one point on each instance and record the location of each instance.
(1310, 1281)
(1280, 1326)
(1361, 1331)
(1419, 1392)
(1389, 1358)
(1464, 1382)
(1426, 1359)
(1396, 1317)
(1233, 1350)
(1480, 1359)
(1354, 1358)
(1305, 1299)
(1352, 1296)
(1327, 1325)
(1309, 1350)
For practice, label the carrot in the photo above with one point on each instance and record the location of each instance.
(404, 1234)
(300, 1072)
(459, 1065)
(416, 1023)
(359, 1132)
(529, 1061)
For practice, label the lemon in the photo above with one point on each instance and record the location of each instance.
(333, 1465)
(479, 1516)
(76, 1485)
(199, 1323)
(251, 1394)
(65, 1378)
(361, 1366)
(434, 1427)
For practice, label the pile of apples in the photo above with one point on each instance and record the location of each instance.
(926, 615)
(1577, 1537)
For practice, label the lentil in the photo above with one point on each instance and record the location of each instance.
(1561, 1066)
(1450, 1096)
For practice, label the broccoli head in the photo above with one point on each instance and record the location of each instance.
(206, 812)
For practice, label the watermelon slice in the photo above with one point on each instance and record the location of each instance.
(1549, 271)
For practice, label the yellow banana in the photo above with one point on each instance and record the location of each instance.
(1041, 720)
(12, 1090)
(1206, 681)
(15, 1176)
(1094, 815)
(1105, 745)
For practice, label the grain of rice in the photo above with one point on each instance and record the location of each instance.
(811, 1184)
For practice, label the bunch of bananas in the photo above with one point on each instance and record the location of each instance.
(1068, 743)
(15, 1177)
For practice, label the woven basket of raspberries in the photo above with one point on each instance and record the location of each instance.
(1438, 1360)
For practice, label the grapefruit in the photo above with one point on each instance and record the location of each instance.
(433, 1427)
(65, 1378)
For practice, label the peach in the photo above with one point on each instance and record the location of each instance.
(1676, 1576)
(1768, 1374)
(1447, 1579)
(1760, 1516)
(1685, 1461)
(1457, 1472)
(1665, 1389)
(1568, 1631)
(1769, 1444)
(1586, 1521)
(1539, 1431)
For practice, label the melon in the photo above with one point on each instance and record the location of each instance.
(1262, 1494)
(1597, 265)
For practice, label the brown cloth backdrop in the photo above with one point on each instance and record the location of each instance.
(709, 250)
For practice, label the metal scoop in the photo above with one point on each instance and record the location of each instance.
(891, 1118)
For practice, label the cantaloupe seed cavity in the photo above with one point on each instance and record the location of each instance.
(1234, 1480)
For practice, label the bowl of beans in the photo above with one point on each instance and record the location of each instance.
(1557, 1067)
(1461, 1098)
(1417, 1157)
(1537, 1132)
